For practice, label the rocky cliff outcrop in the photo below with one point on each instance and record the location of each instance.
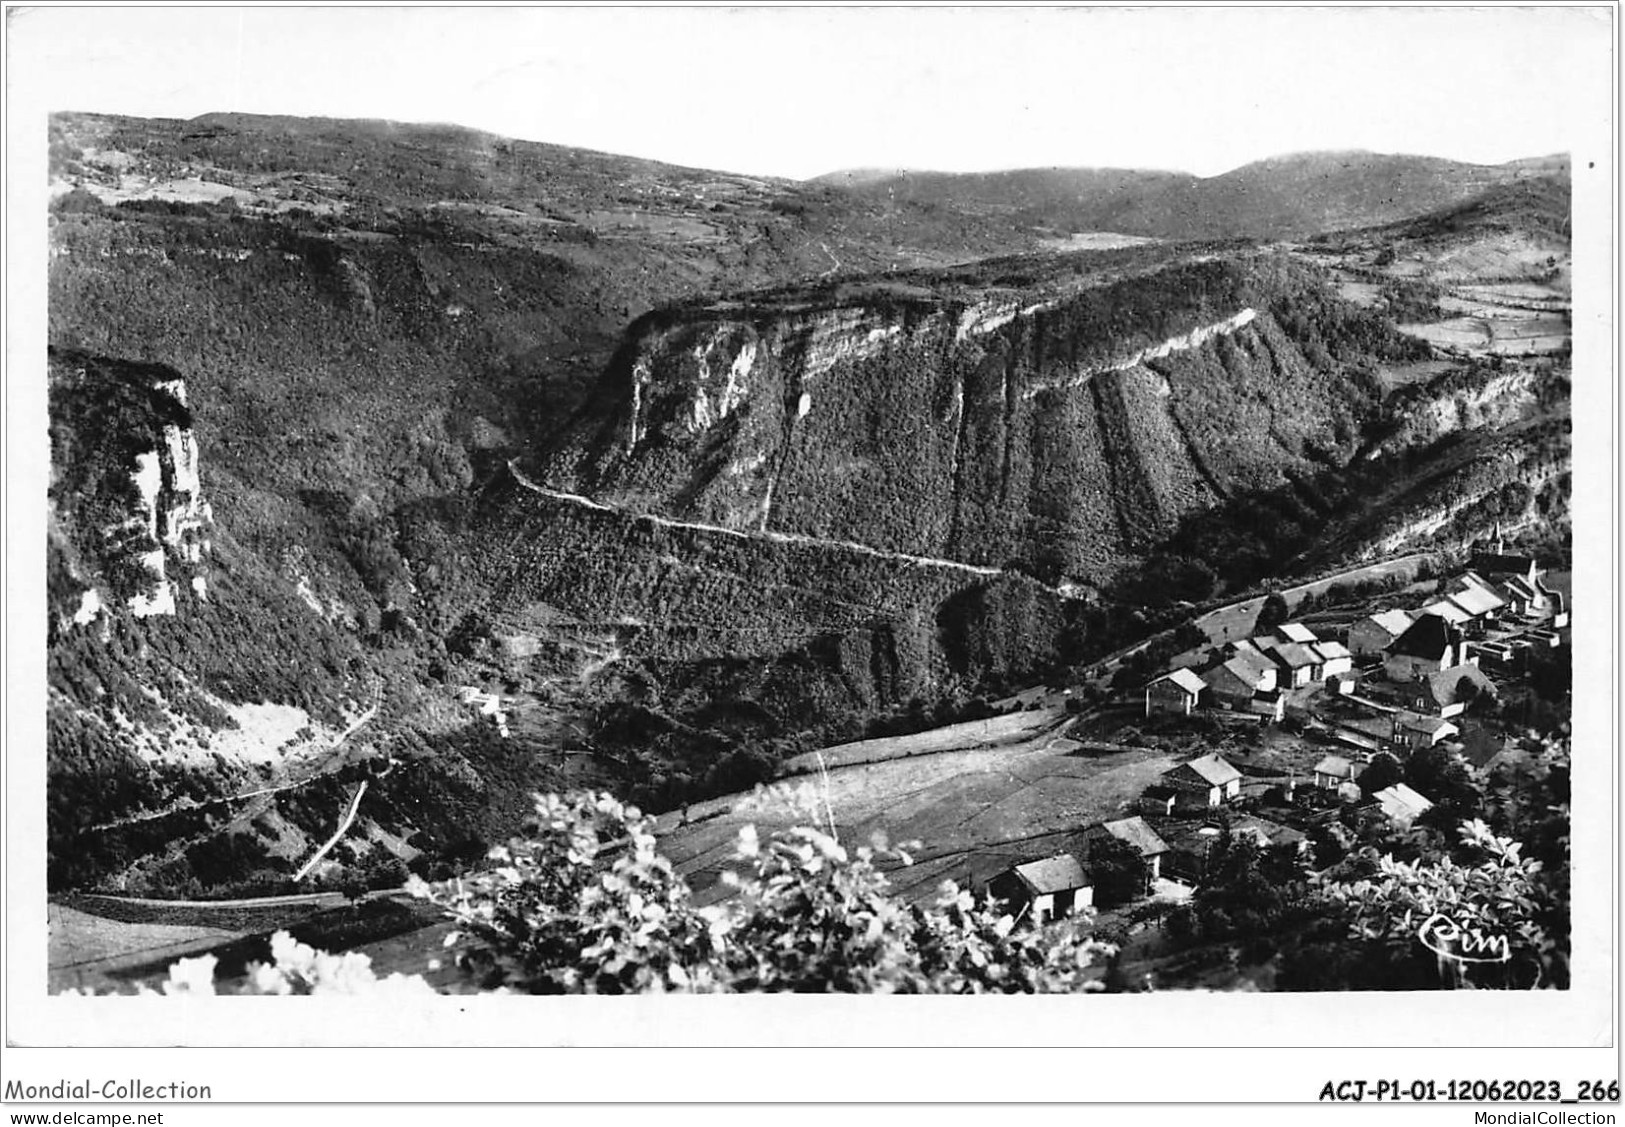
(1466, 399)
(130, 522)
(1066, 425)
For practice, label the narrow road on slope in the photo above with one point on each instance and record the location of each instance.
(832, 258)
(1227, 623)
(344, 825)
(776, 537)
(176, 808)
(1235, 620)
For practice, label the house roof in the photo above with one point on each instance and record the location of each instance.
(1400, 801)
(1330, 651)
(1449, 611)
(1378, 728)
(1429, 636)
(1296, 632)
(1444, 687)
(1267, 832)
(1295, 656)
(1212, 769)
(1158, 791)
(1477, 600)
(1138, 834)
(1335, 766)
(1254, 664)
(1248, 668)
(1489, 563)
(1473, 579)
(1430, 725)
(1185, 679)
(1521, 587)
(1052, 874)
(1395, 622)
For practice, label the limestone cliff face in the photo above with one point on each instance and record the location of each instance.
(1462, 401)
(127, 508)
(1050, 424)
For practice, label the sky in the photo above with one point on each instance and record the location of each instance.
(795, 92)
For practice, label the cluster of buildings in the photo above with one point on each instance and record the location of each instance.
(1426, 661)
(1396, 681)
(1254, 675)
(1180, 824)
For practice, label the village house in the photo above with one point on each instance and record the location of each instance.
(1448, 610)
(1266, 834)
(1233, 683)
(1046, 890)
(1299, 665)
(1158, 800)
(1431, 644)
(1376, 632)
(1141, 836)
(1333, 771)
(1449, 691)
(1497, 567)
(1479, 602)
(1370, 734)
(1208, 781)
(1417, 732)
(1191, 851)
(1269, 705)
(1295, 632)
(1342, 684)
(1402, 805)
(1178, 692)
(1517, 579)
(1335, 659)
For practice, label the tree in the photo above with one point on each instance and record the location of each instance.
(1272, 614)
(1444, 778)
(586, 905)
(1118, 871)
(1478, 924)
(1467, 691)
(1381, 773)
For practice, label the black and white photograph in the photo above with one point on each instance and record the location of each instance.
(1114, 502)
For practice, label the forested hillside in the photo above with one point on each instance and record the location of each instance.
(1295, 195)
(1066, 427)
(421, 466)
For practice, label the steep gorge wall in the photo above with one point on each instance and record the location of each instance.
(1065, 429)
(131, 524)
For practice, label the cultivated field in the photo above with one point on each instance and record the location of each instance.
(1095, 240)
(1501, 331)
(1014, 727)
(973, 812)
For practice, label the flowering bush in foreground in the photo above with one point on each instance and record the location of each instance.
(295, 968)
(587, 905)
(1483, 921)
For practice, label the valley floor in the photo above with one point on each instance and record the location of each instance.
(974, 812)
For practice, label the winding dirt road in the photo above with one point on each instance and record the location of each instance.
(765, 534)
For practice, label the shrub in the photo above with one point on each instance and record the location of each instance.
(587, 905)
(295, 968)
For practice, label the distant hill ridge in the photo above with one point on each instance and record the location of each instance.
(1286, 196)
